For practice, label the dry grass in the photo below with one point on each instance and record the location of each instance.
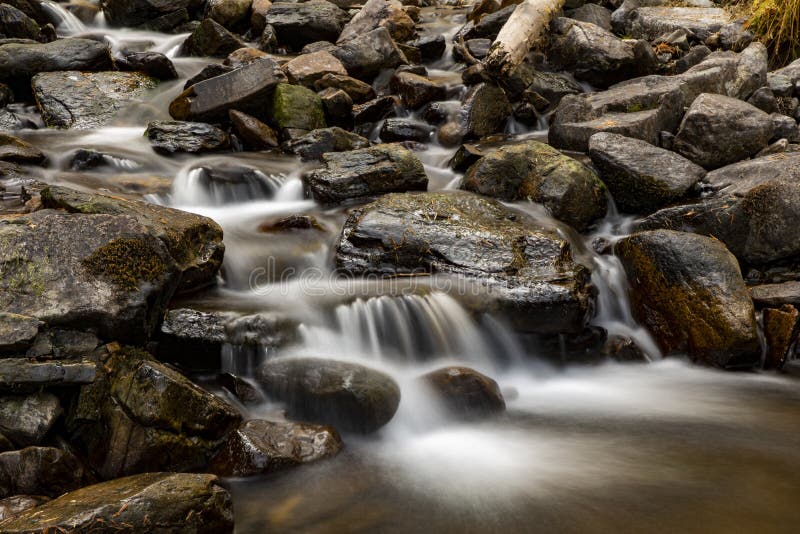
(777, 25)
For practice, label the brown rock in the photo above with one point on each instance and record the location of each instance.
(255, 134)
(307, 69)
(779, 330)
(466, 392)
(359, 91)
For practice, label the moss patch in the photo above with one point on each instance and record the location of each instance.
(127, 262)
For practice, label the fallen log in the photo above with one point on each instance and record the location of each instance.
(524, 28)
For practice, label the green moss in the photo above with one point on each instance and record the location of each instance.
(635, 108)
(127, 262)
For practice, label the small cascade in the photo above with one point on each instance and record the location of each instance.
(65, 22)
(217, 186)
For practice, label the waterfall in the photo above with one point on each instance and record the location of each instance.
(65, 22)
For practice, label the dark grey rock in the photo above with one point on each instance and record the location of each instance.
(39, 471)
(26, 420)
(314, 145)
(297, 25)
(179, 136)
(366, 55)
(211, 39)
(398, 130)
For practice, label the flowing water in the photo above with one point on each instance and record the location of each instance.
(657, 447)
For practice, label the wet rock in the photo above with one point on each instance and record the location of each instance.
(147, 14)
(431, 46)
(20, 62)
(527, 271)
(307, 69)
(297, 25)
(258, 16)
(651, 21)
(211, 70)
(314, 145)
(416, 91)
(20, 375)
(9, 121)
(364, 56)
(365, 172)
(153, 64)
(178, 136)
(397, 130)
(338, 107)
(19, 151)
(262, 447)
(359, 91)
(780, 326)
(246, 89)
(81, 100)
(688, 291)
(296, 107)
(374, 110)
(25, 420)
(640, 176)
(490, 24)
(39, 471)
(229, 13)
(176, 503)
(11, 506)
(465, 392)
(244, 56)
(776, 295)
(211, 39)
(255, 134)
(534, 171)
(597, 56)
(345, 395)
(192, 338)
(379, 14)
(17, 332)
(241, 388)
(719, 130)
(16, 24)
(484, 111)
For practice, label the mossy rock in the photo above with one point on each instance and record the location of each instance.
(296, 107)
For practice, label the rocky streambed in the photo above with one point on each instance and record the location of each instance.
(242, 236)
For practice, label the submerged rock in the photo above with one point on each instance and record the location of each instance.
(688, 291)
(262, 447)
(518, 269)
(534, 171)
(178, 136)
(465, 392)
(345, 395)
(175, 503)
(364, 172)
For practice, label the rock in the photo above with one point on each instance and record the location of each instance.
(20, 62)
(211, 39)
(307, 69)
(25, 420)
(527, 271)
(153, 64)
(785, 128)
(178, 136)
(246, 89)
(296, 107)
(39, 471)
(18, 151)
(175, 503)
(359, 91)
(262, 447)
(147, 14)
(255, 134)
(764, 100)
(244, 56)
(688, 291)
(416, 91)
(314, 145)
(592, 13)
(258, 17)
(338, 107)
(17, 25)
(553, 86)
(374, 110)
(17, 332)
(365, 172)
(719, 130)
(650, 22)
(345, 395)
(397, 130)
(776, 295)
(597, 56)
(727, 73)
(193, 241)
(484, 111)
(193, 339)
(297, 25)
(62, 343)
(379, 14)
(364, 56)
(140, 416)
(431, 46)
(490, 24)
(241, 388)
(20, 375)
(11, 506)
(229, 13)
(465, 392)
(211, 70)
(84, 100)
(534, 171)
(780, 326)
(641, 177)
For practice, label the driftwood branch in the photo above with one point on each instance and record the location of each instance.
(526, 27)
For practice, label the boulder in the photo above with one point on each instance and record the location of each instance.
(375, 14)
(737, 75)
(26, 419)
(365, 172)
(20, 62)
(39, 471)
(147, 14)
(307, 69)
(229, 13)
(359, 91)
(17, 332)
(15, 24)
(375, 110)
(294, 107)
(297, 25)
(175, 503)
(18, 151)
(262, 447)
(484, 110)
(517, 268)
(415, 90)
(398, 130)
(246, 89)
(536, 172)
(464, 392)
(211, 39)
(641, 177)
(688, 291)
(169, 137)
(592, 13)
(431, 46)
(255, 134)
(719, 130)
(345, 395)
(84, 100)
(364, 56)
(314, 145)
(338, 107)
(21, 375)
